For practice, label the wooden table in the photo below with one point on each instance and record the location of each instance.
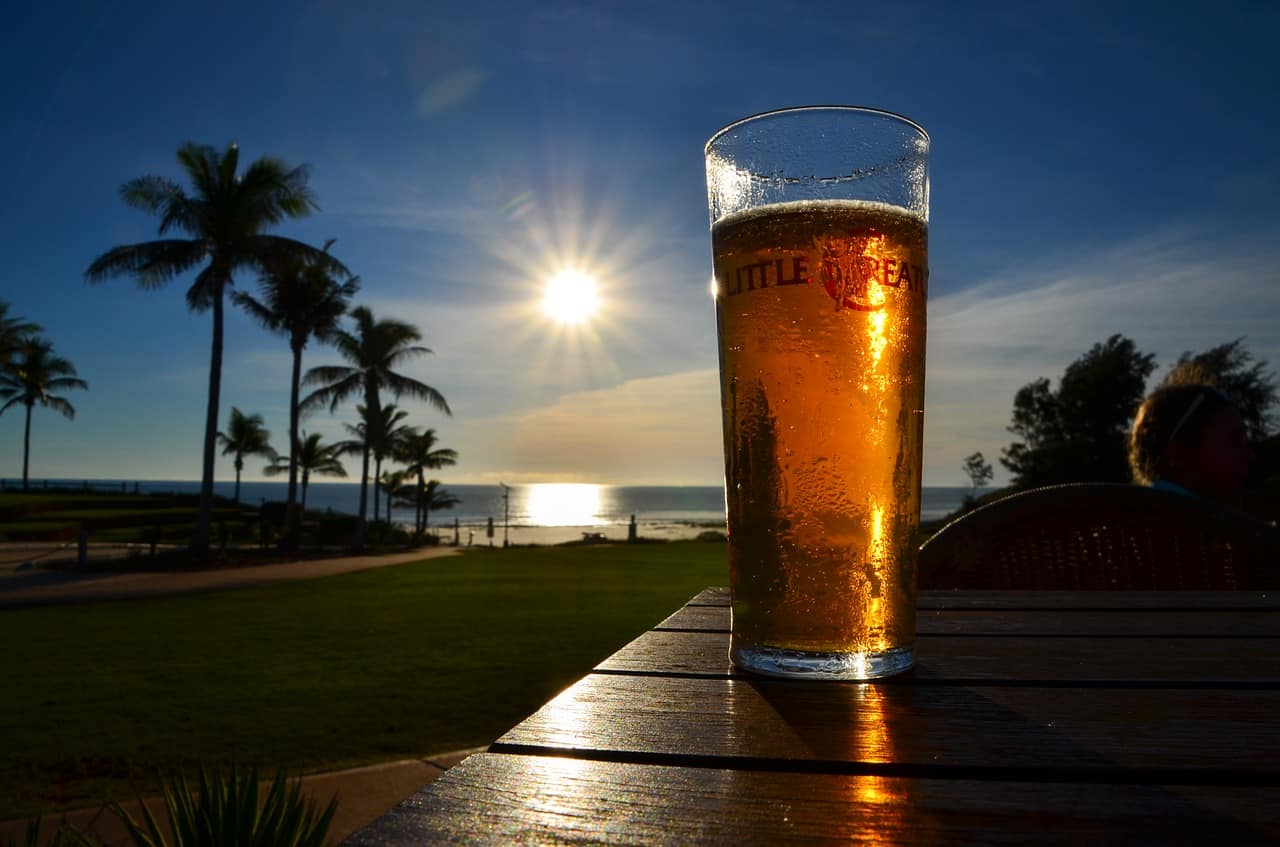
(1077, 718)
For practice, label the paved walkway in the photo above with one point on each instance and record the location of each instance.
(364, 794)
(41, 587)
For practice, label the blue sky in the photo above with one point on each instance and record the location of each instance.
(1097, 168)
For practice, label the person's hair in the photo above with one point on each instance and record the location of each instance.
(1173, 414)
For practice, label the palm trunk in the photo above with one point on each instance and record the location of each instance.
(303, 506)
(417, 504)
(377, 480)
(389, 493)
(239, 467)
(26, 447)
(289, 539)
(358, 543)
(200, 535)
(371, 410)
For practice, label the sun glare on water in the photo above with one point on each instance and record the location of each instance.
(570, 297)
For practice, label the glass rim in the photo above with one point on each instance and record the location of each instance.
(867, 110)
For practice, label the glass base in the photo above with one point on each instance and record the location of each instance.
(799, 664)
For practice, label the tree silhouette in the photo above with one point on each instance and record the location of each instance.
(418, 450)
(245, 436)
(30, 379)
(1231, 368)
(311, 457)
(226, 214)
(979, 471)
(372, 351)
(13, 332)
(301, 300)
(1079, 432)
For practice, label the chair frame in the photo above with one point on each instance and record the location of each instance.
(1099, 536)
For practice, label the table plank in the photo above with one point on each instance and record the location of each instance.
(1124, 735)
(992, 600)
(1066, 622)
(503, 799)
(1167, 662)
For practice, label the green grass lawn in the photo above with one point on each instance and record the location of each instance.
(390, 663)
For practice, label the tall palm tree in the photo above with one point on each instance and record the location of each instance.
(379, 433)
(310, 457)
(13, 332)
(300, 300)
(245, 436)
(418, 450)
(31, 378)
(227, 215)
(373, 350)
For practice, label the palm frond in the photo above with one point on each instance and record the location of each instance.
(406, 386)
(60, 406)
(149, 193)
(152, 263)
(262, 314)
(15, 399)
(64, 382)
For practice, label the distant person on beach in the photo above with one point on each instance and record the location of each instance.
(1189, 439)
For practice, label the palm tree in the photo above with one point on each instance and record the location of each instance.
(431, 496)
(300, 300)
(373, 350)
(32, 377)
(245, 436)
(382, 438)
(226, 216)
(310, 457)
(391, 482)
(418, 451)
(13, 332)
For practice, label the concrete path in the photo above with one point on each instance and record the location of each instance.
(41, 587)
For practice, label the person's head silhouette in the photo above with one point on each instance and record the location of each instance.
(1190, 438)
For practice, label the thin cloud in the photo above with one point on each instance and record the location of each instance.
(450, 90)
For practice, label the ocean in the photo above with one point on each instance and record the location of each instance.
(545, 505)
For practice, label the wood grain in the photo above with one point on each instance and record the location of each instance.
(500, 799)
(1066, 622)
(1171, 662)
(1033, 600)
(1046, 733)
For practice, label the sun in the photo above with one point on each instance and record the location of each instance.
(570, 297)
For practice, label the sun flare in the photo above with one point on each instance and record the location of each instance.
(571, 297)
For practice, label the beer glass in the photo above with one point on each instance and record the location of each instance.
(819, 229)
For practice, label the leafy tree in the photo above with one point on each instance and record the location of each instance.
(1231, 368)
(310, 457)
(226, 216)
(245, 436)
(979, 471)
(1079, 432)
(373, 351)
(31, 379)
(418, 450)
(300, 300)
(13, 332)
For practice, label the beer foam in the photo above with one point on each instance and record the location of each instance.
(810, 207)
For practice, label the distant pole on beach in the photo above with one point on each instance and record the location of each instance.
(506, 513)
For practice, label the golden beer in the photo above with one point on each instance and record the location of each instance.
(820, 307)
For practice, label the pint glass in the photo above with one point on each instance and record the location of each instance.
(819, 229)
